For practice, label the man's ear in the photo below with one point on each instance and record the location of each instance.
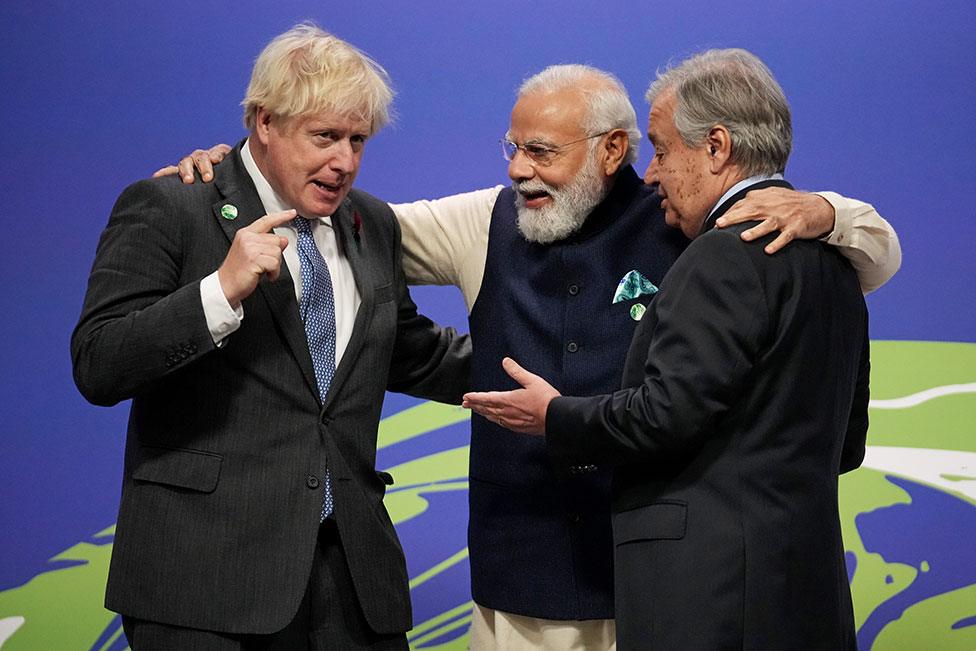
(614, 150)
(718, 144)
(262, 124)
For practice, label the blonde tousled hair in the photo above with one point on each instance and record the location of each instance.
(307, 70)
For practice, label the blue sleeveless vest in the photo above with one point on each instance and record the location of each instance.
(539, 531)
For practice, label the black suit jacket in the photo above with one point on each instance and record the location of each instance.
(226, 447)
(746, 395)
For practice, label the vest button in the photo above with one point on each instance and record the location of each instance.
(573, 290)
(572, 346)
(312, 481)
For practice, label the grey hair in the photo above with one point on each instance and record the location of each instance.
(735, 89)
(307, 70)
(608, 106)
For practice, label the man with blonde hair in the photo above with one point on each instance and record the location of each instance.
(255, 323)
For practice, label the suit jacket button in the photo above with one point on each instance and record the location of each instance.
(573, 289)
(572, 346)
(312, 481)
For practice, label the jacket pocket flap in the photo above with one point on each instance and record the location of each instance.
(191, 469)
(658, 521)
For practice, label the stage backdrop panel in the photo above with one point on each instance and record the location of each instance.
(97, 95)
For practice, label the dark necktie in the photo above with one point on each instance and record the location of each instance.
(317, 308)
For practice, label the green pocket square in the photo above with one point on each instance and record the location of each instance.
(632, 285)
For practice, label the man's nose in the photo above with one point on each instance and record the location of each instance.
(650, 175)
(520, 168)
(343, 157)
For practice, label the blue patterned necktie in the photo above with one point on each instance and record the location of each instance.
(317, 308)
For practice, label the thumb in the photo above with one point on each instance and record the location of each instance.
(517, 373)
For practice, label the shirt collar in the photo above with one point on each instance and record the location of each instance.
(744, 183)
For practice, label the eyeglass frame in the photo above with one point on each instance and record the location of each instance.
(551, 152)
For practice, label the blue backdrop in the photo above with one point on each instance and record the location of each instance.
(96, 95)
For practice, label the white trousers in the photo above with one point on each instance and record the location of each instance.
(494, 630)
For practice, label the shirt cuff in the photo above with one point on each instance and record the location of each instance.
(222, 319)
(842, 233)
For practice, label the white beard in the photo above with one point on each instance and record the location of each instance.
(570, 206)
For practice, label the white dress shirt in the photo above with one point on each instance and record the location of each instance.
(222, 319)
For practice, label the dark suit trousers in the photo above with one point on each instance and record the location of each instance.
(329, 617)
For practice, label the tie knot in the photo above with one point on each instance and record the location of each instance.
(302, 225)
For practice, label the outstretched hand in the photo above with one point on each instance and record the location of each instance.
(202, 160)
(522, 410)
(796, 215)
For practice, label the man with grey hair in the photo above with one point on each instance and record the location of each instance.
(256, 323)
(556, 270)
(744, 396)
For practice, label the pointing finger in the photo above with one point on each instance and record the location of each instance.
(266, 223)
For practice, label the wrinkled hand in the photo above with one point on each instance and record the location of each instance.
(796, 215)
(256, 251)
(522, 410)
(201, 159)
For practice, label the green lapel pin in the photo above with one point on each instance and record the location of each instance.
(637, 311)
(228, 211)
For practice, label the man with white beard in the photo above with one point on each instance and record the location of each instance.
(569, 207)
(555, 271)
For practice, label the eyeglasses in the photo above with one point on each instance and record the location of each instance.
(537, 152)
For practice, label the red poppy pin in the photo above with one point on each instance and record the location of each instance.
(357, 225)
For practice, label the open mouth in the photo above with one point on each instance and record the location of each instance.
(534, 198)
(328, 187)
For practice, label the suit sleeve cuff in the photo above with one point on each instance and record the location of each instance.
(563, 425)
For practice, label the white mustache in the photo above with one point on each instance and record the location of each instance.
(532, 186)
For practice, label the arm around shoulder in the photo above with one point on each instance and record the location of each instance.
(445, 240)
(865, 239)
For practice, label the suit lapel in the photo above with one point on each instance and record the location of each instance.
(238, 191)
(352, 240)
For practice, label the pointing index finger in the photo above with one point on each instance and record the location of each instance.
(266, 223)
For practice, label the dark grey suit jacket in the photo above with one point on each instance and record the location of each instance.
(226, 447)
(746, 391)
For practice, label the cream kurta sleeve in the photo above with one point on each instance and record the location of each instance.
(445, 241)
(866, 239)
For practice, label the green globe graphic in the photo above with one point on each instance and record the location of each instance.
(909, 517)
